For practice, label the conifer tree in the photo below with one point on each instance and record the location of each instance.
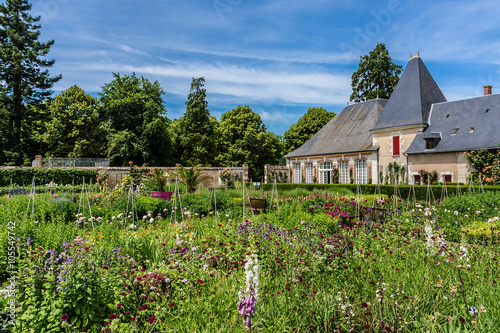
(377, 75)
(24, 78)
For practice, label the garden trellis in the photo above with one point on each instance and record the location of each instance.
(32, 203)
(84, 196)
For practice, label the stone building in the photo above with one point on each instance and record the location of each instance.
(416, 128)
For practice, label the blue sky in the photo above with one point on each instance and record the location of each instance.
(280, 57)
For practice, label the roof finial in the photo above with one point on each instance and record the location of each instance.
(377, 95)
(418, 54)
(411, 56)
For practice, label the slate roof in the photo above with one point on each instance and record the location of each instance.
(412, 98)
(347, 132)
(460, 116)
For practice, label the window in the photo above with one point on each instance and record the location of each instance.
(455, 131)
(325, 172)
(361, 172)
(430, 143)
(344, 172)
(395, 145)
(447, 178)
(417, 179)
(309, 172)
(297, 177)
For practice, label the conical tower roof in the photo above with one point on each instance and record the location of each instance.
(411, 100)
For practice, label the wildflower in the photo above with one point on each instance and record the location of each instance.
(364, 304)
(64, 317)
(171, 304)
(151, 319)
(473, 311)
(113, 316)
(118, 306)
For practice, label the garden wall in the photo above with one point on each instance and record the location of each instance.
(61, 175)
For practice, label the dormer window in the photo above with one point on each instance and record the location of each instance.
(455, 131)
(431, 143)
(432, 139)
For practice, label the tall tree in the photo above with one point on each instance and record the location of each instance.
(377, 75)
(75, 126)
(194, 133)
(245, 139)
(137, 115)
(24, 77)
(310, 123)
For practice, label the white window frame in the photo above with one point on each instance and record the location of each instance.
(361, 172)
(325, 172)
(309, 173)
(297, 177)
(344, 176)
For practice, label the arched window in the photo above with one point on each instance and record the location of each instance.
(297, 177)
(344, 172)
(309, 172)
(361, 172)
(325, 173)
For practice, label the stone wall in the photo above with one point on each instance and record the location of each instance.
(118, 173)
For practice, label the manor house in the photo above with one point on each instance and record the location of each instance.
(417, 128)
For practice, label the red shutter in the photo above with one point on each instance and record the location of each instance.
(395, 145)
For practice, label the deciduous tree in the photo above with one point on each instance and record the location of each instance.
(310, 123)
(137, 115)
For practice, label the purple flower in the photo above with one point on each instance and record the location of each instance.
(64, 317)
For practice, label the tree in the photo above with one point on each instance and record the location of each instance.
(139, 129)
(245, 139)
(377, 75)
(308, 125)
(24, 77)
(194, 133)
(191, 177)
(75, 126)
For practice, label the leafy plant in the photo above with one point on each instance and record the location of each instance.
(191, 177)
(158, 179)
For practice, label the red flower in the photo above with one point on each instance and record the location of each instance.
(118, 306)
(64, 317)
(152, 319)
(364, 305)
(171, 304)
(462, 320)
(113, 316)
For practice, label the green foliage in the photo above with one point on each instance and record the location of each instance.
(308, 125)
(487, 162)
(245, 139)
(74, 126)
(159, 179)
(377, 75)
(24, 79)
(191, 177)
(139, 129)
(426, 176)
(45, 176)
(194, 134)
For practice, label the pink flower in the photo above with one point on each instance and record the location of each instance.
(171, 304)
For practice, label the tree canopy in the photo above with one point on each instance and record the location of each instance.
(135, 109)
(194, 133)
(245, 139)
(377, 75)
(74, 125)
(24, 78)
(308, 125)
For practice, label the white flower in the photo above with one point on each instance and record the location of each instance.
(167, 280)
(151, 220)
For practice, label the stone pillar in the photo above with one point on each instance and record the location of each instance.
(38, 159)
(267, 167)
(245, 173)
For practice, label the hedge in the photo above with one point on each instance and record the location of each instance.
(44, 176)
(420, 190)
(44, 189)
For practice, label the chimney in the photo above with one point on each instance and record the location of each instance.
(487, 89)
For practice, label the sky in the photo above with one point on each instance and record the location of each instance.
(280, 57)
